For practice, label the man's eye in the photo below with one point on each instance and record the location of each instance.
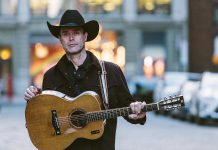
(64, 33)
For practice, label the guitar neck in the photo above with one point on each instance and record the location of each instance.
(114, 113)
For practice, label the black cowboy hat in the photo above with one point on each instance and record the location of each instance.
(72, 18)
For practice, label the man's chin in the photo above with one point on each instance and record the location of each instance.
(74, 52)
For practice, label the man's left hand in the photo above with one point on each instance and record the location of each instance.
(137, 110)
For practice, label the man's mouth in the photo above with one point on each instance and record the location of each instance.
(72, 45)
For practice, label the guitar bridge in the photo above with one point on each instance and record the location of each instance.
(55, 122)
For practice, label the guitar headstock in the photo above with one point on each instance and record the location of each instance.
(171, 103)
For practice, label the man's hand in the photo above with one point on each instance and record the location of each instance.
(31, 91)
(137, 110)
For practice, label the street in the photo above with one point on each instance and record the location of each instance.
(158, 133)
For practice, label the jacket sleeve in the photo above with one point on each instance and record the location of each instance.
(126, 98)
(48, 83)
(45, 83)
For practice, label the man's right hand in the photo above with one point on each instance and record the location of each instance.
(30, 92)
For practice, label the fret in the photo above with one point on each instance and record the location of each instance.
(107, 114)
(114, 113)
(149, 107)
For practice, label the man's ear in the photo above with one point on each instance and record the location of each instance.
(86, 35)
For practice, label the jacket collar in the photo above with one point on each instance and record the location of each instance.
(63, 61)
(94, 60)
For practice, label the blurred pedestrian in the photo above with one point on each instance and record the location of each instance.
(1, 90)
(78, 71)
(9, 88)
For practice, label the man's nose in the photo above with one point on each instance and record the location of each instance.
(71, 36)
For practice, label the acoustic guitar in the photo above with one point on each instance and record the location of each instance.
(54, 120)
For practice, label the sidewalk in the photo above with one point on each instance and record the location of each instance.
(13, 131)
(16, 100)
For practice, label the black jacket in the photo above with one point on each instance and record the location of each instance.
(57, 78)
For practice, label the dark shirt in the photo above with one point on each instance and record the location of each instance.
(61, 78)
(76, 75)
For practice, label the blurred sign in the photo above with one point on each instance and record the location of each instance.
(215, 51)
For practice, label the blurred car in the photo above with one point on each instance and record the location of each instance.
(177, 83)
(142, 88)
(169, 85)
(204, 102)
(187, 90)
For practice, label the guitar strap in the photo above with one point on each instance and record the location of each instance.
(103, 84)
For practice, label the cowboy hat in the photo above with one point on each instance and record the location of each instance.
(72, 18)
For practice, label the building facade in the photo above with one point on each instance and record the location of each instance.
(133, 33)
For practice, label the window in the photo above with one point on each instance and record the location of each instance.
(154, 7)
(38, 7)
(106, 46)
(8, 7)
(101, 6)
(50, 8)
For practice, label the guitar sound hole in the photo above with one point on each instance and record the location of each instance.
(78, 119)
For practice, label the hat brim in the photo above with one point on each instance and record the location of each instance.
(91, 27)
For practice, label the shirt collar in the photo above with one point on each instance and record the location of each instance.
(94, 60)
(64, 62)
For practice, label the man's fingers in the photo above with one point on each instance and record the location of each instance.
(27, 96)
(136, 116)
(34, 89)
(30, 92)
(136, 107)
(132, 116)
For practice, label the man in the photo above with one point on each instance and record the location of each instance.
(78, 71)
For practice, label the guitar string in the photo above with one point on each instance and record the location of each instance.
(85, 116)
(98, 114)
(95, 115)
(91, 116)
(77, 119)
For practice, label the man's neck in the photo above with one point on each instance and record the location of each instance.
(77, 59)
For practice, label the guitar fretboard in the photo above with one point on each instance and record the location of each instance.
(114, 113)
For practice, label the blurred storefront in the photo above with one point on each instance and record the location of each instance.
(6, 87)
(133, 34)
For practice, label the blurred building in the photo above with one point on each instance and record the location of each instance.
(141, 36)
(203, 35)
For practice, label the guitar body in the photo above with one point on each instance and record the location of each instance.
(39, 120)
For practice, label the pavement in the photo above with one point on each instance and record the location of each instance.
(159, 132)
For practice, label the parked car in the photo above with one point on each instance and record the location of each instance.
(177, 83)
(142, 87)
(204, 102)
(169, 85)
(187, 90)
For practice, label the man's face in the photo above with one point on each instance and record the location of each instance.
(72, 39)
